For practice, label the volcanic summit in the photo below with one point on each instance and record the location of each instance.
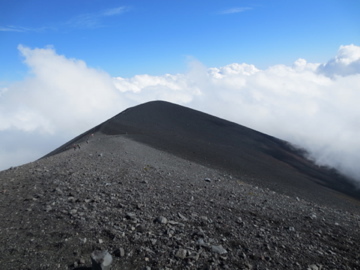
(161, 186)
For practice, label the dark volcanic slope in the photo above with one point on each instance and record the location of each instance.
(189, 207)
(214, 142)
(154, 211)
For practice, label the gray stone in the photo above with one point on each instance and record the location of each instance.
(130, 215)
(181, 253)
(201, 243)
(182, 216)
(58, 190)
(161, 220)
(101, 260)
(218, 249)
(120, 252)
(291, 229)
(313, 267)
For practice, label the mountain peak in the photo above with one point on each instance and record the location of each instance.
(224, 145)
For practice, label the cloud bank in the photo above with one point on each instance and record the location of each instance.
(312, 105)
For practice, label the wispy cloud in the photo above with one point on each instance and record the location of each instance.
(86, 20)
(235, 10)
(13, 28)
(115, 11)
(94, 20)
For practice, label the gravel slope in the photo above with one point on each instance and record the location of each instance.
(214, 142)
(155, 210)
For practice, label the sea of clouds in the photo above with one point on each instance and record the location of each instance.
(312, 105)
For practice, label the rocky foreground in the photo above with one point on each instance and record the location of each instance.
(152, 210)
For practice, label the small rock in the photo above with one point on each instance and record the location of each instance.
(120, 252)
(218, 249)
(153, 241)
(71, 199)
(172, 222)
(207, 180)
(140, 228)
(181, 253)
(58, 190)
(193, 255)
(130, 215)
(249, 266)
(161, 220)
(182, 216)
(139, 206)
(148, 250)
(201, 243)
(101, 259)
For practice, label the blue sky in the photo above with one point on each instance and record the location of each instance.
(126, 38)
(287, 68)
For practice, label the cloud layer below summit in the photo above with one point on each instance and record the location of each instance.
(312, 105)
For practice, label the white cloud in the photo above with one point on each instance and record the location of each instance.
(10, 28)
(86, 20)
(94, 20)
(61, 95)
(19, 147)
(308, 104)
(114, 11)
(235, 10)
(346, 62)
(20, 29)
(59, 99)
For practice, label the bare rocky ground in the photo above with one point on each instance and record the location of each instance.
(152, 210)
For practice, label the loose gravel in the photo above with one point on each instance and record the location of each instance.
(152, 210)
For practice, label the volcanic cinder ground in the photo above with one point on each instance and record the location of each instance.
(162, 186)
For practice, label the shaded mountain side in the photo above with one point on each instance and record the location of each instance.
(217, 143)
